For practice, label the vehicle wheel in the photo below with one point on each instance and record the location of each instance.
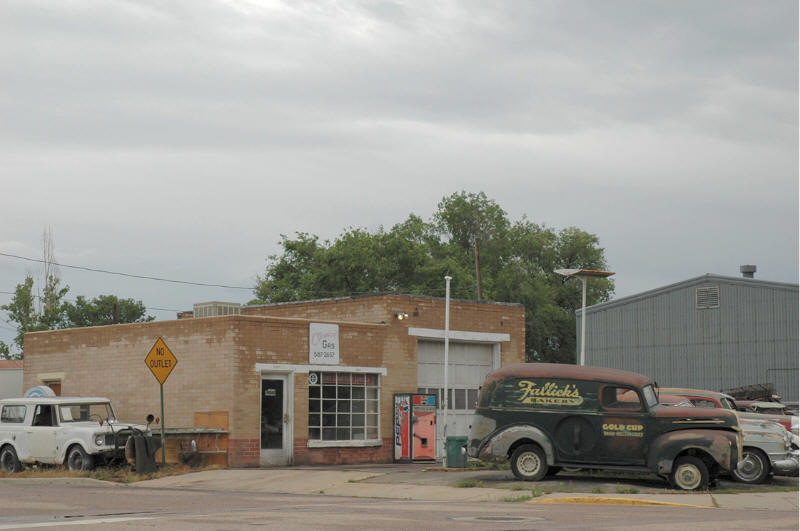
(753, 468)
(689, 473)
(528, 462)
(8, 460)
(78, 459)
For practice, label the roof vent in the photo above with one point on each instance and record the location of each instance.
(747, 271)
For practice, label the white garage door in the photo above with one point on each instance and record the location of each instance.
(468, 365)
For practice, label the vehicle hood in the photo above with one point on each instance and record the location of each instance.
(697, 417)
(107, 426)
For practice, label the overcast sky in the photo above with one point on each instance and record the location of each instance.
(181, 139)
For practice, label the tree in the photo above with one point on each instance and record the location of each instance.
(470, 239)
(104, 310)
(21, 311)
(471, 220)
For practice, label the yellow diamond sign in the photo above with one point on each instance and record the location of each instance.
(160, 360)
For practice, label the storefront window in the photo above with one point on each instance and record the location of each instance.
(343, 406)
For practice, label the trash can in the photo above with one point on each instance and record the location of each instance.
(456, 452)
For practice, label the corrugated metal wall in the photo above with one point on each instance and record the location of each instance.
(751, 338)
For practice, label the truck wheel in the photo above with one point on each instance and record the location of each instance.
(753, 468)
(8, 460)
(528, 462)
(78, 459)
(689, 473)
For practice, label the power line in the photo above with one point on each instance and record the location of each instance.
(145, 277)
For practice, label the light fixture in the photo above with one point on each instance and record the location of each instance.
(400, 316)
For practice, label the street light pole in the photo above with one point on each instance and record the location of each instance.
(447, 280)
(583, 274)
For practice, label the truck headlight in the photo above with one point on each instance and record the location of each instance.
(99, 439)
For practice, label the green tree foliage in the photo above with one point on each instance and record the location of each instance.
(22, 312)
(469, 238)
(104, 310)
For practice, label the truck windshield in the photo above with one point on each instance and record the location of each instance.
(86, 412)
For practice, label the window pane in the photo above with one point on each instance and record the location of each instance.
(343, 378)
(372, 406)
(329, 419)
(357, 406)
(313, 406)
(328, 377)
(371, 379)
(372, 392)
(372, 433)
(358, 392)
(329, 434)
(344, 392)
(313, 391)
(343, 434)
(314, 433)
(343, 406)
(343, 420)
(329, 391)
(313, 420)
(359, 434)
(358, 379)
(460, 399)
(472, 398)
(358, 420)
(372, 420)
(329, 406)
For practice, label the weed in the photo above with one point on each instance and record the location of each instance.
(468, 484)
(619, 489)
(598, 490)
(536, 492)
(565, 488)
(517, 499)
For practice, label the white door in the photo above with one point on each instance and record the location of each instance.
(276, 422)
(468, 365)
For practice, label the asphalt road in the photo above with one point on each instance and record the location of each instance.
(95, 505)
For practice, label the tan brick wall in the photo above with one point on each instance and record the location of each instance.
(217, 357)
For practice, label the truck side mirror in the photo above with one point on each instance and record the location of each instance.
(150, 418)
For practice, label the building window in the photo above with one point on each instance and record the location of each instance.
(343, 406)
(464, 399)
(707, 298)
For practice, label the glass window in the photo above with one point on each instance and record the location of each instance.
(649, 396)
(613, 397)
(343, 406)
(703, 402)
(13, 414)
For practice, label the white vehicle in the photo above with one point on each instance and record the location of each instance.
(77, 432)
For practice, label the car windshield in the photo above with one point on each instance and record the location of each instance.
(83, 412)
(649, 396)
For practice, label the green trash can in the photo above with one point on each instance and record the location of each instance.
(456, 452)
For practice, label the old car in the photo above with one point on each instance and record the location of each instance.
(541, 417)
(768, 447)
(74, 431)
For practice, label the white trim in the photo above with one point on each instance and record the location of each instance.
(289, 368)
(459, 335)
(51, 376)
(344, 444)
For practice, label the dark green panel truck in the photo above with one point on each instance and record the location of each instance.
(542, 417)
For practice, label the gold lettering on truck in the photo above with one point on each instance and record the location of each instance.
(550, 394)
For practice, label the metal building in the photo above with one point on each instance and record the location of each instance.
(710, 332)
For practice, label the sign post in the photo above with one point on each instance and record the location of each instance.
(160, 360)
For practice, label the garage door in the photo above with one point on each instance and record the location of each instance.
(469, 363)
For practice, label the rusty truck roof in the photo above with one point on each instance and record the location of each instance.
(563, 370)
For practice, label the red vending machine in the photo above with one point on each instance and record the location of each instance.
(414, 427)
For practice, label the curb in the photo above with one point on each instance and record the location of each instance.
(590, 500)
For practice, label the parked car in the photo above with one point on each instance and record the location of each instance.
(768, 447)
(758, 406)
(542, 416)
(714, 399)
(76, 432)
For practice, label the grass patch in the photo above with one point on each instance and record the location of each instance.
(565, 488)
(517, 499)
(536, 492)
(477, 464)
(619, 489)
(598, 490)
(468, 484)
(122, 474)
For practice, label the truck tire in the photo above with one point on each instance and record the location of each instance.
(78, 459)
(528, 462)
(8, 460)
(753, 468)
(689, 473)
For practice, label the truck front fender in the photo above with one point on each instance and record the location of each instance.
(498, 446)
(721, 445)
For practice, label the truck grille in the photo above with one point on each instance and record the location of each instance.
(117, 439)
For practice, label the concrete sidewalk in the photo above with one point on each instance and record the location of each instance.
(417, 482)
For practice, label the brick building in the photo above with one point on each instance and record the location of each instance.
(307, 382)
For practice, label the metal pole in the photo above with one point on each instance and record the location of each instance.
(447, 280)
(163, 431)
(583, 322)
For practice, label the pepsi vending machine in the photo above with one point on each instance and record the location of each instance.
(414, 427)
